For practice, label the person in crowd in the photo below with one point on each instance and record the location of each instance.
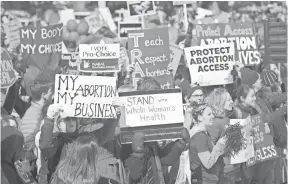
(202, 152)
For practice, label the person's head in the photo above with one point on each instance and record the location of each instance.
(42, 92)
(152, 24)
(251, 78)
(80, 164)
(148, 83)
(221, 101)
(203, 114)
(69, 124)
(246, 95)
(269, 78)
(195, 95)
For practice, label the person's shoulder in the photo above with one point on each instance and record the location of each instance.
(200, 136)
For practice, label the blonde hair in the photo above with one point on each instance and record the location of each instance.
(217, 99)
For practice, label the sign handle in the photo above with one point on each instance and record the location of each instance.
(143, 21)
(185, 17)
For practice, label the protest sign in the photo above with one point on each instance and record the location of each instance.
(241, 35)
(152, 112)
(86, 96)
(211, 64)
(124, 27)
(141, 8)
(263, 142)
(248, 150)
(8, 74)
(95, 22)
(66, 15)
(106, 14)
(99, 57)
(70, 61)
(175, 56)
(149, 51)
(12, 36)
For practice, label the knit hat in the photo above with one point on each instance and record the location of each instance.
(268, 77)
(249, 77)
(191, 90)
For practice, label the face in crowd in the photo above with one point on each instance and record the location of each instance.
(203, 114)
(246, 95)
(196, 97)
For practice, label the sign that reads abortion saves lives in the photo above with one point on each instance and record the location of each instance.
(99, 57)
(158, 114)
(211, 64)
(86, 96)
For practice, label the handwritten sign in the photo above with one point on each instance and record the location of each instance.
(99, 57)
(153, 110)
(124, 27)
(149, 51)
(241, 35)
(248, 150)
(263, 141)
(86, 96)
(8, 74)
(206, 62)
(175, 56)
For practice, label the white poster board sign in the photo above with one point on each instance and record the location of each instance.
(86, 96)
(211, 65)
(248, 152)
(99, 51)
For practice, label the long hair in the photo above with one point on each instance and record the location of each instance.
(79, 167)
(216, 99)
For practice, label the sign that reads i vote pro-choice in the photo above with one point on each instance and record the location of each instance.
(99, 51)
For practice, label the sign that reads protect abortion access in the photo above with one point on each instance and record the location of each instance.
(99, 57)
(211, 64)
(153, 112)
(86, 96)
(149, 51)
(241, 35)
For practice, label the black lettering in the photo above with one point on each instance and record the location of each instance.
(78, 108)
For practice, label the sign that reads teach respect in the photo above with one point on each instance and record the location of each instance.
(43, 40)
(99, 57)
(86, 96)
(263, 141)
(149, 51)
(211, 64)
(241, 35)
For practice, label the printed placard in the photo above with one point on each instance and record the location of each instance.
(263, 141)
(8, 74)
(95, 22)
(12, 29)
(248, 150)
(86, 96)
(70, 61)
(153, 112)
(149, 51)
(124, 27)
(141, 8)
(241, 35)
(211, 64)
(175, 57)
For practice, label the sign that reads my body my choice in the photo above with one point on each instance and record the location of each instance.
(99, 57)
(241, 35)
(86, 96)
(211, 64)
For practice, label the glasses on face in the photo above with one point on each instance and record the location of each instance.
(198, 96)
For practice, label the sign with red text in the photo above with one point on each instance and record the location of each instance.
(86, 96)
(211, 64)
(263, 141)
(241, 35)
(153, 112)
(99, 57)
(149, 51)
(8, 74)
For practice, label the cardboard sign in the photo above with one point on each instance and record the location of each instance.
(248, 151)
(211, 64)
(263, 141)
(95, 22)
(241, 35)
(152, 112)
(86, 96)
(99, 57)
(124, 27)
(149, 51)
(175, 57)
(8, 74)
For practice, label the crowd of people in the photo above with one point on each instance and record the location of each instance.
(40, 144)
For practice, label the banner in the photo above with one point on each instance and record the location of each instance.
(124, 27)
(149, 51)
(99, 57)
(263, 141)
(241, 35)
(211, 64)
(175, 57)
(8, 74)
(86, 96)
(157, 109)
(248, 150)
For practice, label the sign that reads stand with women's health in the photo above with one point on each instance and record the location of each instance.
(158, 114)
(99, 57)
(211, 64)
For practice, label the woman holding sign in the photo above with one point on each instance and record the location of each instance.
(202, 151)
